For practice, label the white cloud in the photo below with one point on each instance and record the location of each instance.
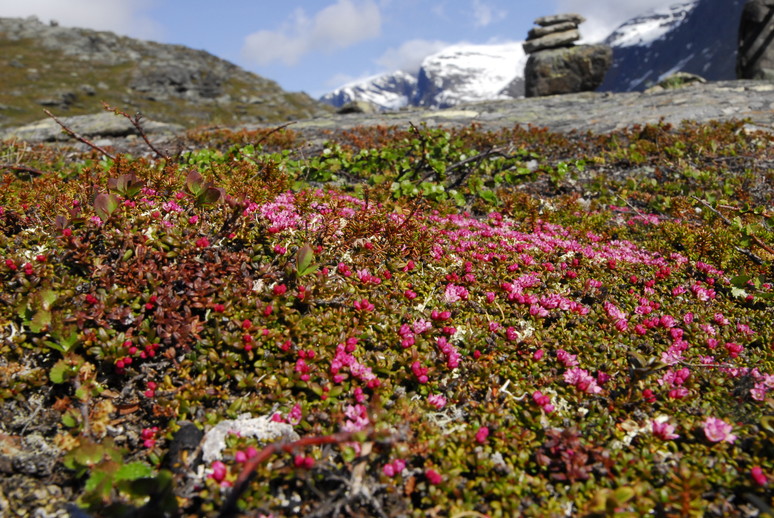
(409, 55)
(125, 17)
(604, 16)
(484, 14)
(337, 26)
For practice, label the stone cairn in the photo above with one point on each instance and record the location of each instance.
(556, 65)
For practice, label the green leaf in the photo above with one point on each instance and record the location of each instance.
(194, 182)
(69, 420)
(209, 196)
(60, 372)
(105, 205)
(47, 298)
(304, 259)
(40, 321)
(96, 478)
(623, 495)
(133, 471)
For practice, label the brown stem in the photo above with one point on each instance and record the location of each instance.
(78, 137)
(248, 471)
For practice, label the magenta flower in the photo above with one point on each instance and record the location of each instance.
(758, 476)
(433, 477)
(582, 380)
(482, 434)
(717, 430)
(218, 471)
(363, 305)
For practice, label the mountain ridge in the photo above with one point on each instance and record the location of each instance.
(71, 70)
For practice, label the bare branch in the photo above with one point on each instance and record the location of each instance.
(23, 169)
(135, 121)
(80, 138)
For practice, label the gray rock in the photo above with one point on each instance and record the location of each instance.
(560, 71)
(755, 56)
(100, 125)
(357, 107)
(539, 32)
(552, 41)
(545, 21)
(677, 80)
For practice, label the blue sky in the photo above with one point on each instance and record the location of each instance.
(316, 46)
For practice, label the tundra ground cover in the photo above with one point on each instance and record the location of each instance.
(403, 321)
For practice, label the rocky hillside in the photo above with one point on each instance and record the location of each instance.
(70, 71)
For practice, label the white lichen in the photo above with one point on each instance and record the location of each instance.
(262, 428)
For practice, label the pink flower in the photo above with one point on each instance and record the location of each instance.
(388, 470)
(758, 476)
(544, 401)
(582, 381)
(717, 430)
(202, 242)
(482, 434)
(455, 293)
(437, 400)
(663, 430)
(433, 477)
(567, 359)
(218, 471)
(363, 305)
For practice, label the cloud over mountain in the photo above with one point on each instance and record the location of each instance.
(337, 26)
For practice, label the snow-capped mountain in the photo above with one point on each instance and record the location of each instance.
(648, 27)
(387, 91)
(459, 73)
(698, 37)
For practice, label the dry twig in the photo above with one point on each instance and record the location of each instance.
(79, 137)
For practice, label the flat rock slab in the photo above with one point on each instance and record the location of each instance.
(105, 125)
(545, 21)
(588, 111)
(551, 41)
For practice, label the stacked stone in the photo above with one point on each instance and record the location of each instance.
(556, 65)
(560, 30)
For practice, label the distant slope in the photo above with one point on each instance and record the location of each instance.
(70, 70)
(700, 38)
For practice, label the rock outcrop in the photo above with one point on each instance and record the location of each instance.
(755, 56)
(556, 65)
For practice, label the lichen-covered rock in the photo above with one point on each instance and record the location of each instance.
(560, 71)
(755, 56)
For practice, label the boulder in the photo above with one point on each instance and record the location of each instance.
(357, 107)
(552, 41)
(559, 71)
(91, 126)
(755, 55)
